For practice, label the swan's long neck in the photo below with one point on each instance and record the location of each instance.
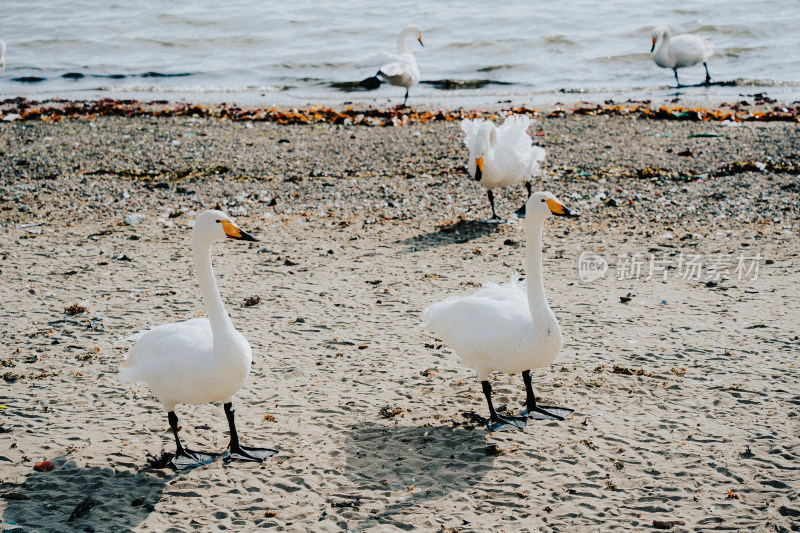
(537, 301)
(217, 315)
(401, 41)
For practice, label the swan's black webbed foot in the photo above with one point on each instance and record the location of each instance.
(246, 453)
(506, 423)
(535, 411)
(185, 458)
(500, 422)
(547, 412)
(237, 451)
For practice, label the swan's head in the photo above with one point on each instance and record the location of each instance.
(415, 31)
(544, 204)
(483, 142)
(659, 32)
(214, 226)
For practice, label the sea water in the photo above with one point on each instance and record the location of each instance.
(299, 52)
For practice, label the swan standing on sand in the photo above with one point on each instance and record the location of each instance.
(508, 328)
(502, 156)
(680, 51)
(397, 69)
(200, 360)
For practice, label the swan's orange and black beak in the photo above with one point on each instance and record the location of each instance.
(234, 232)
(478, 169)
(654, 45)
(560, 210)
(420, 40)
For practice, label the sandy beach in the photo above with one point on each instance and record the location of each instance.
(681, 361)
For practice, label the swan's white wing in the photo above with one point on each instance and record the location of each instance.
(513, 128)
(483, 326)
(518, 158)
(688, 50)
(395, 69)
(378, 60)
(470, 128)
(154, 347)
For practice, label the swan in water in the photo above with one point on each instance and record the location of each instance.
(508, 328)
(680, 51)
(200, 360)
(397, 69)
(502, 156)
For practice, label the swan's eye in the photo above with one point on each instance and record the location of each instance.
(220, 222)
(542, 199)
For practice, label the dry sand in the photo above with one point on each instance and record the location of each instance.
(686, 396)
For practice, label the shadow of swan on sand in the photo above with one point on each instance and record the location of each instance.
(458, 233)
(44, 501)
(405, 468)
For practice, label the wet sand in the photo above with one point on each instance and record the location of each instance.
(685, 395)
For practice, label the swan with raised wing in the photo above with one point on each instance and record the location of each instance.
(499, 157)
(398, 69)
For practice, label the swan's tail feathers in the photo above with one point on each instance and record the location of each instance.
(127, 375)
(709, 48)
(515, 283)
(432, 316)
(512, 283)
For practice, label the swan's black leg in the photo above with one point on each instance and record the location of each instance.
(676, 77)
(708, 78)
(532, 410)
(521, 210)
(243, 453)
(491, 201)
(405, 99)
(185, 458)
(497, 422)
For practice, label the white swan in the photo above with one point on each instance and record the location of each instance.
(680, 51)
(508, 328)
(397, 69)
(200, 360)
(502, 156)
(2, 57)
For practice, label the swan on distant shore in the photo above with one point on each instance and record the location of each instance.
(396, 69)
(502, 156)
(680, 51)
(200, 360)
(2, 56)
(508, 328)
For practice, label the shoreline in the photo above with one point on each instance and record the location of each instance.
(424, 97)
(758, 107)
(684, 412)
